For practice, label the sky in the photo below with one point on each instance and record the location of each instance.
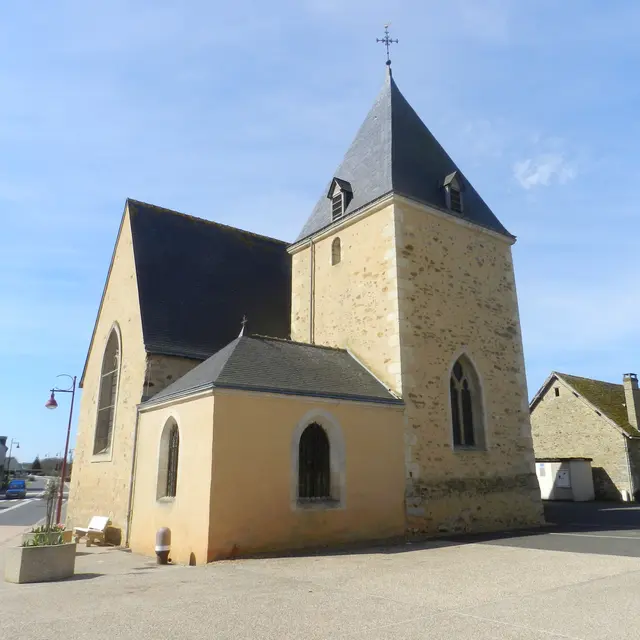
(239, 112)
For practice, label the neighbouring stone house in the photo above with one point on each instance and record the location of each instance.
(375, 386)
(580, 417)
(3, 453)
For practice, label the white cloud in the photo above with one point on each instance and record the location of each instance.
(543, 170)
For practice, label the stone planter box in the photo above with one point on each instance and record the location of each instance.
(40, 564)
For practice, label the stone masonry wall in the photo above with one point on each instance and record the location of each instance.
(163, 371)
(356, 301)
(100, 484)
(565, 426)
(457, 295)
(634, 462)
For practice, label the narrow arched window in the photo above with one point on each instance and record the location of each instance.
(314, 476)
(168, 460)
(466, 405)
(172, 463)
(336, 251)
(107, 395)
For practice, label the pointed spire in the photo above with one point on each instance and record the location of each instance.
(394, 152)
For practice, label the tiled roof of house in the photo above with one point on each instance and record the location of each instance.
(394, 152)
(256, 363)
(197, 279)
(607, 397)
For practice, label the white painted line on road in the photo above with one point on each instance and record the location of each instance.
(593, 535)
(15, 506)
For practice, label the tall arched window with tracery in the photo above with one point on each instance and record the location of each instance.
(107, 394)
(466, 405)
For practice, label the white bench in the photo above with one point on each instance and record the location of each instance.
(94, 532)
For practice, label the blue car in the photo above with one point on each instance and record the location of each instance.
(16, 489)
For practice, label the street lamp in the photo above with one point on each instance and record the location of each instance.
(10, 450)
(51, 403)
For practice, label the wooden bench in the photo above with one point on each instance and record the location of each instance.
(94, 532)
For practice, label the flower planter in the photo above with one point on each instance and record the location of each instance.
(46, 538)
(40, 564)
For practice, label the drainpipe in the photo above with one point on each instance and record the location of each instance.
(312, 286)
(134, 461)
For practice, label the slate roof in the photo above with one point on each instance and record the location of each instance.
(197, 279)
(256, 363)
(607, 397)
(394, 152)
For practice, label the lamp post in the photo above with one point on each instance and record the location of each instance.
(52, 404)
(10, 450)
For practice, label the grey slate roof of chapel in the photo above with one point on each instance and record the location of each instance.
(256, 363)
(197, 279)
(394, 152)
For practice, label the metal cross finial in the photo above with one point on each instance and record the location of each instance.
(244, 324)
(387, 41)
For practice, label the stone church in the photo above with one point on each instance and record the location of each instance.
(363, 383)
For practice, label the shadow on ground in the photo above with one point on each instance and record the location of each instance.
(565, 521)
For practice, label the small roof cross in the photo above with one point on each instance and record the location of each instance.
(243, 324)
(387, 42)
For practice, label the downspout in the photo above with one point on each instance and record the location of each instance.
(312, 286)
(134, 461)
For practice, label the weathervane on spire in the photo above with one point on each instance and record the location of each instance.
(387, 42)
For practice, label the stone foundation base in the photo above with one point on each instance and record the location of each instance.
(497, 505)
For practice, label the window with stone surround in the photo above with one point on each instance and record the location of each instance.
(314, 473)
(336, 251)
(466, 406)
(107, 395)
(168, 460)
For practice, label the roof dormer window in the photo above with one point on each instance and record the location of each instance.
(453, 187)
(337, 206)
(340, 195)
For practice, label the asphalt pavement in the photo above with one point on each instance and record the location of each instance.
(604, 528)
(25, 512)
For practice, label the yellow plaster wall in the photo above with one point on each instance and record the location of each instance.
(251, 507)
(457, 293)
(100, 484)
(356, 301)
(187, 515)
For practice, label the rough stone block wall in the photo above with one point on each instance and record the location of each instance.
(163, 371)
(565, 426)
(634, 462)
(355, 301)
(457, 295)
(100, 483)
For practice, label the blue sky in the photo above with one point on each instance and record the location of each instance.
(239, 112)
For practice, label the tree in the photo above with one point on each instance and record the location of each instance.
(36, 466)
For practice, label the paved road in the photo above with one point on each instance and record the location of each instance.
(14, 513)
(605, 528)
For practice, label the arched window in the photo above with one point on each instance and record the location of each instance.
(335, 251)
(168, 460)
(466, 405)
(107, 395)
(314, 475)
